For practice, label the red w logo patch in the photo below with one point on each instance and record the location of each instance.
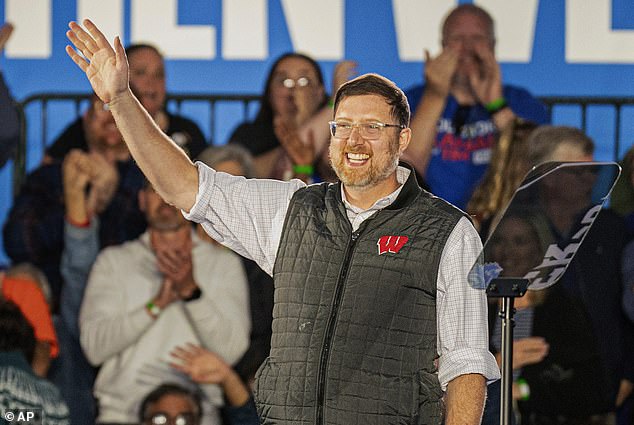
(391, 244)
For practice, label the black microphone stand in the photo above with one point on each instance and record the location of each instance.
(508, 289)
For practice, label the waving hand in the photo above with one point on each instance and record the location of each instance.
(105, 67)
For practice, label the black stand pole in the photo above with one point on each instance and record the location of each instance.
(508, 289)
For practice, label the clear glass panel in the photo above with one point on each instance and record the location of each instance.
(546, 222)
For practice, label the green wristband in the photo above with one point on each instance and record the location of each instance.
(496, 105)
(306, 170)
(525, 389)
(153, 309)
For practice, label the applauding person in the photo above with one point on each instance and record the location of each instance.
(462, 106)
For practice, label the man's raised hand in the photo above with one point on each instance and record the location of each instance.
(105, 67)
(486, 81)
(439, 71)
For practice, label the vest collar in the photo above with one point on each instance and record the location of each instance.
(409, 191)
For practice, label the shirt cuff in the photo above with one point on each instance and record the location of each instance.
(81, 233)
(206, 179)
(466, 361)
(246, 414)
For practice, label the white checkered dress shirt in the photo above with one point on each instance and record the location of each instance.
(247, 215)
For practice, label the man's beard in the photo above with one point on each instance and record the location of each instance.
(377, 169)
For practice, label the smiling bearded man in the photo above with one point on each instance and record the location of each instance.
(360, 334)
(361, 161)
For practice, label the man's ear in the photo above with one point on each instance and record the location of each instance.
(404, 137)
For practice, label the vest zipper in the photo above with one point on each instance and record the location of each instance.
(330, 327)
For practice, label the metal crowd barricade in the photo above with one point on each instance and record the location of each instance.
(618, 105)
(582, 106)
(78, 101)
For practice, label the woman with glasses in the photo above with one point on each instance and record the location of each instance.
(289, 135)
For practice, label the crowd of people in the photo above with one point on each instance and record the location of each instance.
(242, 284)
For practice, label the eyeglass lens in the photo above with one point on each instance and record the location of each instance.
(180, 419)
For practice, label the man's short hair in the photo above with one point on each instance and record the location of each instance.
(16, 333)
(214, 155)
(374, 84)
(140, 46)
(169, 389)
(469, 9)
(543, 142)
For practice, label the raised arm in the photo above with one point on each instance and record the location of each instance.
(487, 86)
(167, 167)
(438, 74)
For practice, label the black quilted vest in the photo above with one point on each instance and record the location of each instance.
(354, 331)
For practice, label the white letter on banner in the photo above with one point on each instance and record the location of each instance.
(589, 34)
(245, 29)
(514, 26)
(156, 22)
(418, 24)
(32, 34)
(108, 15)
(316, 27)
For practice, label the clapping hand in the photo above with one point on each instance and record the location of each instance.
(344, 71)
(528, 351)
(104, 179)
(439, 71)
(174, 261)
(76, 177)
(486, 79)
(300, 152)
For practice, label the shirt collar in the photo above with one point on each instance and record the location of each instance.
(402, 175)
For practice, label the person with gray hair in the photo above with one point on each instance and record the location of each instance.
(229, 157)
(583, 379)
(559, 143)
(463, 106)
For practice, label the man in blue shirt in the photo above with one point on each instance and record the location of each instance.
(462, 106)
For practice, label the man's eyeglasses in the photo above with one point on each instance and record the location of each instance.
(290, 83)
(367, 130)
(161, 418)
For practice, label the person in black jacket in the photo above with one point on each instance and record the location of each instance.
(147, 78)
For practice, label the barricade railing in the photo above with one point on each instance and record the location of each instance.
(568, 110)
(584, 105)
(79, 100)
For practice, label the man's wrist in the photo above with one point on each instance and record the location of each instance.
(524, 389)
(496, 105)
(193, 295)
(120, 98)
(435, 93)
(306, 170)
(78, 221)
(153, 309)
